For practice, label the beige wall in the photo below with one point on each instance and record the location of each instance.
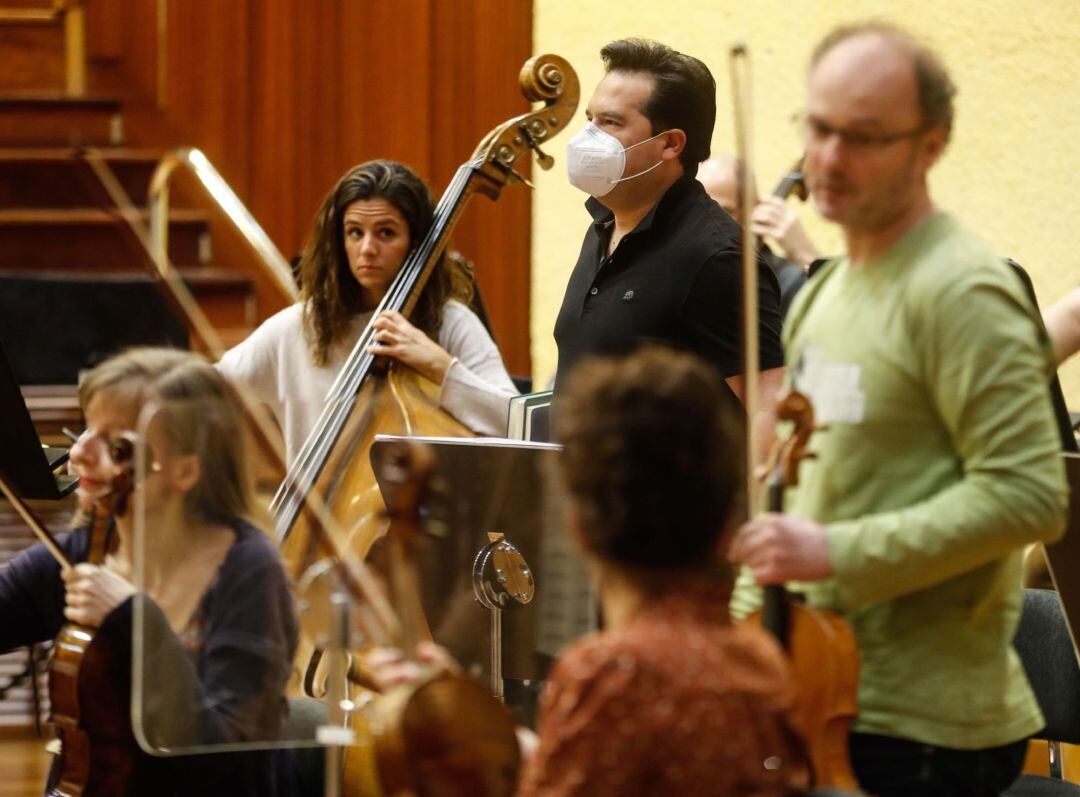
(1008, 174)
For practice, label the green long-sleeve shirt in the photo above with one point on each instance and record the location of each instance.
(940, 462)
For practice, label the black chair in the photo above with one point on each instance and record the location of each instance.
(1049, 659)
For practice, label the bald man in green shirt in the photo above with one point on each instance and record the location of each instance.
(922, 354)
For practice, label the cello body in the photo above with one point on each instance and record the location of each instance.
(446, 736)
(824, 663)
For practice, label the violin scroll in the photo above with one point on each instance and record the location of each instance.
(796, 408)
(793, 182)
(407, 468)
(122, 452)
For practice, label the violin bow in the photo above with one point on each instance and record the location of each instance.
(739, 59)
(35, 524)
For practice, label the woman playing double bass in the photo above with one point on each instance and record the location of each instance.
(216, 601)
(367, 225)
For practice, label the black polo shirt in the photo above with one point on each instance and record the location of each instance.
(676, 279)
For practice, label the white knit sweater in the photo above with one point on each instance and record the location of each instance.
(275, 363)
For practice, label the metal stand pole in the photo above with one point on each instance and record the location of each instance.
(496, 655)
(336, 734)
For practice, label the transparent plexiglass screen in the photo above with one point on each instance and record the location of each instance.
(483, 491)
(228, 653)
(215, 623)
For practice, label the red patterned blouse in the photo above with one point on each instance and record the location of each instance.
(680, 701)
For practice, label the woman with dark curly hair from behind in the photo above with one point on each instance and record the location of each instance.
(367, 226)
(671, 697)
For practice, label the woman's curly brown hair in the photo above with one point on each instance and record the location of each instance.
(328, 288)
(652, 457)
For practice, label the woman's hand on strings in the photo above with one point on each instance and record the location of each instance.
(398, 339)
(780, 548)
(388, 667)
(93, 592)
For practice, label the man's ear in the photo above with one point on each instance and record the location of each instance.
(934, 142)
(674, 144)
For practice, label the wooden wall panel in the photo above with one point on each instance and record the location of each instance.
(285, 95)
(476, 68)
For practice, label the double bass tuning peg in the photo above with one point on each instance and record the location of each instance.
(545, 160)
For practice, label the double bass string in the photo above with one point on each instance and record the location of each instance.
(340, 398)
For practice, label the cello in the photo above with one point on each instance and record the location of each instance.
(89, 706)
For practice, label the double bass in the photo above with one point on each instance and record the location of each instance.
(370, 397)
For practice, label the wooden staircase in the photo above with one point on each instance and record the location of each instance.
(57, 221)
(56, 218)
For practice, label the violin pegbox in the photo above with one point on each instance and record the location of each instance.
(544, 78)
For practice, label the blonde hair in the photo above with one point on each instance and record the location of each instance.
(200, 415)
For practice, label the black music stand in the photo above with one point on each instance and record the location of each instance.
(28, 464)
(57, 325)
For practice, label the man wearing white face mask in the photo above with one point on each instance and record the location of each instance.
(661, 260)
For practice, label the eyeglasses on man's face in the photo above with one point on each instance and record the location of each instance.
(816, 131)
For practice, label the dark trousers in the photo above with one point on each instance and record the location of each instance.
(890, 767)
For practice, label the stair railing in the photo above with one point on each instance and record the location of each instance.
(227, 200)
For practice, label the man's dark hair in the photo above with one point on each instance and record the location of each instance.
(936, 89)
(651, 457)
(684, 95)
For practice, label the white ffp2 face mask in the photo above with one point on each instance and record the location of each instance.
(595, 160)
